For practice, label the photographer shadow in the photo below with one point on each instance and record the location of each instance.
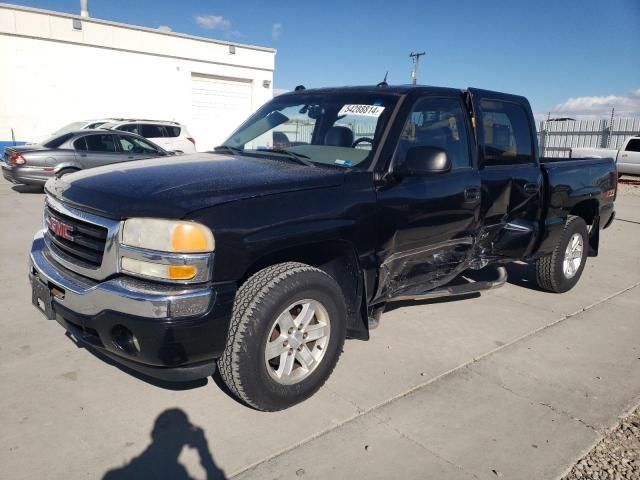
(171, 432)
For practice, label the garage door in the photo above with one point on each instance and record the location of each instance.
(219, 105)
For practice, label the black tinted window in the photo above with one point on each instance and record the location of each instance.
(100, 143)
(172, 131)
(128, 127)
(506, 137)
(437, 122)
(633, 145)
(148, 130)
(80, 144)
(57, 141)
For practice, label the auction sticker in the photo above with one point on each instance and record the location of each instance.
(362, 110)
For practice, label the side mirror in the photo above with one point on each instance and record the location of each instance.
(425, 161)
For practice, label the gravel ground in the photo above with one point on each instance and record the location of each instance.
(616, 457)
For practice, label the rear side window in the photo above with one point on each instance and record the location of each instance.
(171, 131)
(96, 143)
(633, 145)
(506, 138)
(148, 130)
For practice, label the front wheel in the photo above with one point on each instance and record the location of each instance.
(561, 270)
(286, 334)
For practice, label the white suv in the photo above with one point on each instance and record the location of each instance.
(169, 135)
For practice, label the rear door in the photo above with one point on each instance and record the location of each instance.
(428, 224)
(511, 176)
(629, 157)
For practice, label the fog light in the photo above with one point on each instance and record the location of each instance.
(125, 340)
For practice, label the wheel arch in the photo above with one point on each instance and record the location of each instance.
(589, 211)
(339, 259)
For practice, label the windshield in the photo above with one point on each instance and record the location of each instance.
(340, 129)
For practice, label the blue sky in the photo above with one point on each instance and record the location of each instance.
(569, 56)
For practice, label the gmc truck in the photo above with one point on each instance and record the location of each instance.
(261, 257)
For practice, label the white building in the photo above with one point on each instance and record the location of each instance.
(56, 68)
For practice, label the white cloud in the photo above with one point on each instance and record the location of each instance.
(276, 31)
(600, 106)
(165, 28)
(213, 22)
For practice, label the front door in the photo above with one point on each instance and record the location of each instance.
(511, 176)
(428, 223)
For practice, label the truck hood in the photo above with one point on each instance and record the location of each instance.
(174, 186)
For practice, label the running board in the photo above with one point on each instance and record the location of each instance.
(465, 289)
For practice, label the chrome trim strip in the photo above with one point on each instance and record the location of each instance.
(122, 294)
(202, 261)
(110, 259)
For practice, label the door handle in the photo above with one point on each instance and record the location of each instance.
(531, 188)
(471, 194)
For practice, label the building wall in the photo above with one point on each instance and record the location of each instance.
(52, 74)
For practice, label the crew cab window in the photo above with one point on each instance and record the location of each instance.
(437, 122)
(505, 133)
(96, 143)
(633, 145)
(148, 130)
(135, 145)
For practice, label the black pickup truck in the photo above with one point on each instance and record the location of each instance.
(263, 256)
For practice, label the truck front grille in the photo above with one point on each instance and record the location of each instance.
(77, 241)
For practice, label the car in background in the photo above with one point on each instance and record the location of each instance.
(74, 151)
(72, 127)
(627, 158)
(171, 136)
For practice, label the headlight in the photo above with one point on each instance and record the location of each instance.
(175, 251)
(168, 235)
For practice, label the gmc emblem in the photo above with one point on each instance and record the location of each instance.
(60, 229)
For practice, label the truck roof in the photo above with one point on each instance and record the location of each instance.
(395, 89)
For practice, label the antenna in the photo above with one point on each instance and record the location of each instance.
(383, 83)
(416, 62)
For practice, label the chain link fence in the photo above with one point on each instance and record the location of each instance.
(557, 137)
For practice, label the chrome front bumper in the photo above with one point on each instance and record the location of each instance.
(122, 294)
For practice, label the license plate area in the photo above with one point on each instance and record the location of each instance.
(42, 298)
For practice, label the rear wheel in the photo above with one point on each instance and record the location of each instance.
(561, 270)
(286, 334)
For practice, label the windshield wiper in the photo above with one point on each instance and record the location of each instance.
(297, 157)
(227, 149)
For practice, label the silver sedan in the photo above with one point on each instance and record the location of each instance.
(73, 151)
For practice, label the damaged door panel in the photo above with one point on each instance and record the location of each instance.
(429, 223)
(510, 174)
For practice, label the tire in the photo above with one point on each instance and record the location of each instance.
(551, 274)
(263, 306)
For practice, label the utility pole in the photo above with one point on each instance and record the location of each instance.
(416, 62)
